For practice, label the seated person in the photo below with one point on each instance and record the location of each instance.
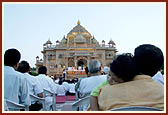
(124, 66)
(48, 84)
(71, 90)
(16, 87)
(86, 85)
(34, 85)
(70, 87)
(129, 90)
(61, 89)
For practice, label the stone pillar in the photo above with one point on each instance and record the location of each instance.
(66, 62)
(75, 61)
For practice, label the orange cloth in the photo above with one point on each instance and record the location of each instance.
(142, 91)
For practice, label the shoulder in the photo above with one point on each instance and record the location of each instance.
(84, 79)
(49, 78)
(98, 77)
(20, 75)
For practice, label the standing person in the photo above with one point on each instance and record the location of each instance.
(102, 69)
(64, 73)
(140, 90)
(16, 86)
(35, 87)
(87, 71)
(46, 83)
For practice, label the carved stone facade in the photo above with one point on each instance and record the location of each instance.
(76, 49)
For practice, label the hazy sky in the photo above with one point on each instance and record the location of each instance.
(28, 26)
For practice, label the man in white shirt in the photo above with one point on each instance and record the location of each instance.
(61, 89)
(88, 84)
(16, 86)
(35, 87)
(159, 77)
(46, 83)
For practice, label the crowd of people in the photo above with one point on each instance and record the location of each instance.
(130, 80)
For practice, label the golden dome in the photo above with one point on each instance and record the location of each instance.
(78, 22)
(78, 29)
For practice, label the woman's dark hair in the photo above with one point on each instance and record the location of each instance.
(23, 67)
(148, 59)
(42, 70)
(123, 67)
(11, 57)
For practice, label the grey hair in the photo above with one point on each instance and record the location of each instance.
(106, 70)
(94, 66)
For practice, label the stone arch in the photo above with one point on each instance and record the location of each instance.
(81, 61)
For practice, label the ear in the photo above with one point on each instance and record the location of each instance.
(29, 69)
(16, 66)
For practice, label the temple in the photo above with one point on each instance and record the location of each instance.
(75, 50)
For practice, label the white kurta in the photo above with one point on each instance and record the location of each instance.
(72, 88)
(34, 84)
(61, 90)
(88, 84)
(47, 83)
(16, 86)
(66, 84)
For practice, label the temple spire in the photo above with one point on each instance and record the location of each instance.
(78, 22)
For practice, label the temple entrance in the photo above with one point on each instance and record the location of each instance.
(81, 63)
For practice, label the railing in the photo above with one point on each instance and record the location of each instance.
(100, 46)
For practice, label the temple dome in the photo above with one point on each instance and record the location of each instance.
(111, 42)
(78, 29)
(63, 40)
(49, 42)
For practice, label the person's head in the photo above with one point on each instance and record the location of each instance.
(12, 57)
(23, 67)
(42, 70)
(94, 66)
(122, 69)
(106, 70)
(60, 81)
(148, 59)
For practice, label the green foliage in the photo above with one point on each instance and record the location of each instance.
(34, 73)
(33, 69)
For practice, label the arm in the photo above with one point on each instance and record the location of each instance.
(77, 85)
(38, 89)
(94, 96)
(94, 103)
(24, 92)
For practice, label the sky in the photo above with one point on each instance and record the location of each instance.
(27, 26)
